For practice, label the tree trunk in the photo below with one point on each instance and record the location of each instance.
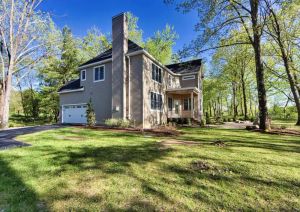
(250, 103)
(292, 83)
(285, 58)
(235, 112)
(260, 75)
(244, 93)
(6, 99)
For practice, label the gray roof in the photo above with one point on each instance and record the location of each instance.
(132, 47)
(72, 85)
(191, 66)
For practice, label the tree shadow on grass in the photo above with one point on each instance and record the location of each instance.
(90, 157)
(15, 195)
(242, 138)
(103, 162)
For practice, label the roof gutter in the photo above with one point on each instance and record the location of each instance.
(96, 63)
(184, 88)
(71, 91)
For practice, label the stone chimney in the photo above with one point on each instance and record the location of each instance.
(119, 50)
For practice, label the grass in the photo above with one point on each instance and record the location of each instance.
(289, 124)
(78, 169)
(16, 120)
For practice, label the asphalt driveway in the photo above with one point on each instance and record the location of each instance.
(7, 137)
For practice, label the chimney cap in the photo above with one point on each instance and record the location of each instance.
(120, 14)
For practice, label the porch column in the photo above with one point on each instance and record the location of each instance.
(192, 104)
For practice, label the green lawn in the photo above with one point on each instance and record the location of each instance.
(86, 170)
(289, 124)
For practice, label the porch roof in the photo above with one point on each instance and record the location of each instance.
(186, 90)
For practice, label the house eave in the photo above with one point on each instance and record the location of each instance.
(71, 91)
(94, 64)
(194, 89)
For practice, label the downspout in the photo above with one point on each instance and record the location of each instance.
(129, 109)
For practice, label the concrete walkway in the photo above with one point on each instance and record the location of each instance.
(7, 137)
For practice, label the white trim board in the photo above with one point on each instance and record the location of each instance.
(71, 91)
(96, 63)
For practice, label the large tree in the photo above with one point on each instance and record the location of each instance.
(283, 32)
(22, 29)
(161, 44)
(58, 70)
(217, 18)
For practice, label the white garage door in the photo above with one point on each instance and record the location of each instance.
(74, 114)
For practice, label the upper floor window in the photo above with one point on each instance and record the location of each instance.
(156, 73)
(189, 77)
(99, 74)
(83, 75)
(156, 101)
(187, 104)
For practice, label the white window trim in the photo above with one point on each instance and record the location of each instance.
(189, 77)
(103, 73)
(84, 70)
(162, 100)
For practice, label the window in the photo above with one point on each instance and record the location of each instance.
(190, 77)
(99, 74)
(170, 103)
(156, 101)
(83, 75)
(187, 103)
(156, 73)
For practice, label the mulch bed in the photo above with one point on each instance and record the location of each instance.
(159, 132)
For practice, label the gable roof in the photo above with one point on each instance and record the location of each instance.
(72, 85)
(132, 47)
(191, 66)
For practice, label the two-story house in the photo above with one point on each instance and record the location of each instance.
(127, 82)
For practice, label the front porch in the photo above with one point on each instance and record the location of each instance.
(183, 103)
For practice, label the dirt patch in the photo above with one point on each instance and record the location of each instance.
(71, 138)
(219, 143)
(201, 166)
(170, 143)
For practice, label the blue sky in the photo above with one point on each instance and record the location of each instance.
(81, 15)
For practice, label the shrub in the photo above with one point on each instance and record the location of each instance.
(252, 119)
(207, 118)
(219, 119)
(202, 123)
(112, 122)
(90, 115)
(189, 121)
(117, 123)
(124, 123)
(283, 127)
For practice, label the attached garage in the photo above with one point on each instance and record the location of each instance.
(74, 114)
